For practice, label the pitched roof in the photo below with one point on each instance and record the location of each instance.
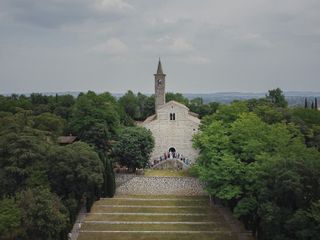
(66, 139)
(150, 119)
(159, 70)
(174, 103)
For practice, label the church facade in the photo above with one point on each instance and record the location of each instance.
(172, 126)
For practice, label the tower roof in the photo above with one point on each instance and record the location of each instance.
(160, 71)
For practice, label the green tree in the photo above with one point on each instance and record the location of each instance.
(10, 218)
(49, 122)
(75, 170)
(129, 103)
(178, 97)
(146, 106)
(44, 216)
(196, 105)
(134, 147)
(20, 157)
(264, 172)
(277, 97)
(95, 119)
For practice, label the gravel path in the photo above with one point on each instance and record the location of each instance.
(161, 185)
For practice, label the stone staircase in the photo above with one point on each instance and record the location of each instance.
(156, 217)
(173, 163)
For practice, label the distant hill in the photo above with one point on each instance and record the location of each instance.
(294, 98)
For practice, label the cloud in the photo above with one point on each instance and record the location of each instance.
(168, 45)
(252, 41)
(113, 4)
(112, 47)
(197, 60)
(57, 13)
(244, 45)
(180, 44)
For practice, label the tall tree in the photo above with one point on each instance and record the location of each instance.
(134, 147)
(10, 218)
(95, 119)
(305, 103)
(178, 97)
(44, 216)
(75, 170)
(277, 97)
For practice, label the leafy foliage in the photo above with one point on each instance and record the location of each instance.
(253, 157)
(44, 216)
(134, 147)
(74, 169)
(10, 217)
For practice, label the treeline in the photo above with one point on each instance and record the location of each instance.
(261, 159)
(43, 184)
(137, 107)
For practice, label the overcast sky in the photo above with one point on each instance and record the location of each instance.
(205, 45)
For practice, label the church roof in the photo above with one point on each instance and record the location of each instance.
(191, 116)
(150, 119)
(175, 103)
(159, 70)
(66, 139)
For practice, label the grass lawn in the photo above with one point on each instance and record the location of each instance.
(151, 217)
(204, 197)
(155, 227)
(158, 236)
(166, 173)
(147, 202)
(138, 209)
(154, 218)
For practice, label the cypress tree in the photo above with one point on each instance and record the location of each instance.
(316, 104)
(111, 183)
(305, 103)
(312, 105)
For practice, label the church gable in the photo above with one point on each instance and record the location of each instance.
(173, 104)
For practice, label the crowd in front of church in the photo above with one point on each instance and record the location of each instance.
(171, 155)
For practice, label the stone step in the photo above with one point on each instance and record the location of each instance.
(150, 214)
(152, 218)
(162, 198)
(204, 197)
(153, 202)
(157, 235)
(153, 226)
(155, 217)
(151, 209)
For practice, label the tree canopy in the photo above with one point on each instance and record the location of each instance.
(134, 147)
(255, 158)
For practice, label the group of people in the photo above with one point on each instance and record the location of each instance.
(171, 155)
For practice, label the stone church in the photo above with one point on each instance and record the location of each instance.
(172, 126)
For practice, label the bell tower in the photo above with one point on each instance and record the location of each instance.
(159, 86)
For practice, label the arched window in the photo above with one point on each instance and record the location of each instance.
(172, 116)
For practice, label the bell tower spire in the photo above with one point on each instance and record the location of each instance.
(159, 85)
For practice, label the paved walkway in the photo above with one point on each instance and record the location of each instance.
(80, 219)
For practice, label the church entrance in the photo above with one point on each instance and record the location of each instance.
(172, 150)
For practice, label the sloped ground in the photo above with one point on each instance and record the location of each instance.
(157, 216)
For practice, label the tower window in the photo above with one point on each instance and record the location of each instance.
(172, 116)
